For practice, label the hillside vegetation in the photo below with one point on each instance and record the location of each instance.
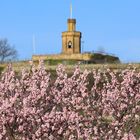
(17, 66)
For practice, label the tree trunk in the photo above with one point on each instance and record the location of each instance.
(9, 132)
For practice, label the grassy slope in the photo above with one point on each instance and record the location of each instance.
(18, 66)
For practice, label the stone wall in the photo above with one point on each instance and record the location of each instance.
(85, 56)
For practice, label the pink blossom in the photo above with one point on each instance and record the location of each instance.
(33, 106)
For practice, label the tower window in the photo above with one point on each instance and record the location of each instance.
(69, 44)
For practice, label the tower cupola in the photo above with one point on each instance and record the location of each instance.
(71, 39)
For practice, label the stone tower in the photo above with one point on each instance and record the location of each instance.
(71, 39)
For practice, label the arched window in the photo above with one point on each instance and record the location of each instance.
(69, 44)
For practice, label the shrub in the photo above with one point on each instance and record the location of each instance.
(33, 109)
(104, 58)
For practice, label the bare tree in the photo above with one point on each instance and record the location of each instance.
(7, 52)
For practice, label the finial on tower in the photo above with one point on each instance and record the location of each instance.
(70, 11)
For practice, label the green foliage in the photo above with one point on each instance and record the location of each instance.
(103, 58)
(1, 69)
(137, 129)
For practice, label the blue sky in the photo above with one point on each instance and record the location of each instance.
(113, 25)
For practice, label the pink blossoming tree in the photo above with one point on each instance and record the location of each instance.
(71, 108)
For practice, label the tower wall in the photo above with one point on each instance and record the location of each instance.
(75, 39)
